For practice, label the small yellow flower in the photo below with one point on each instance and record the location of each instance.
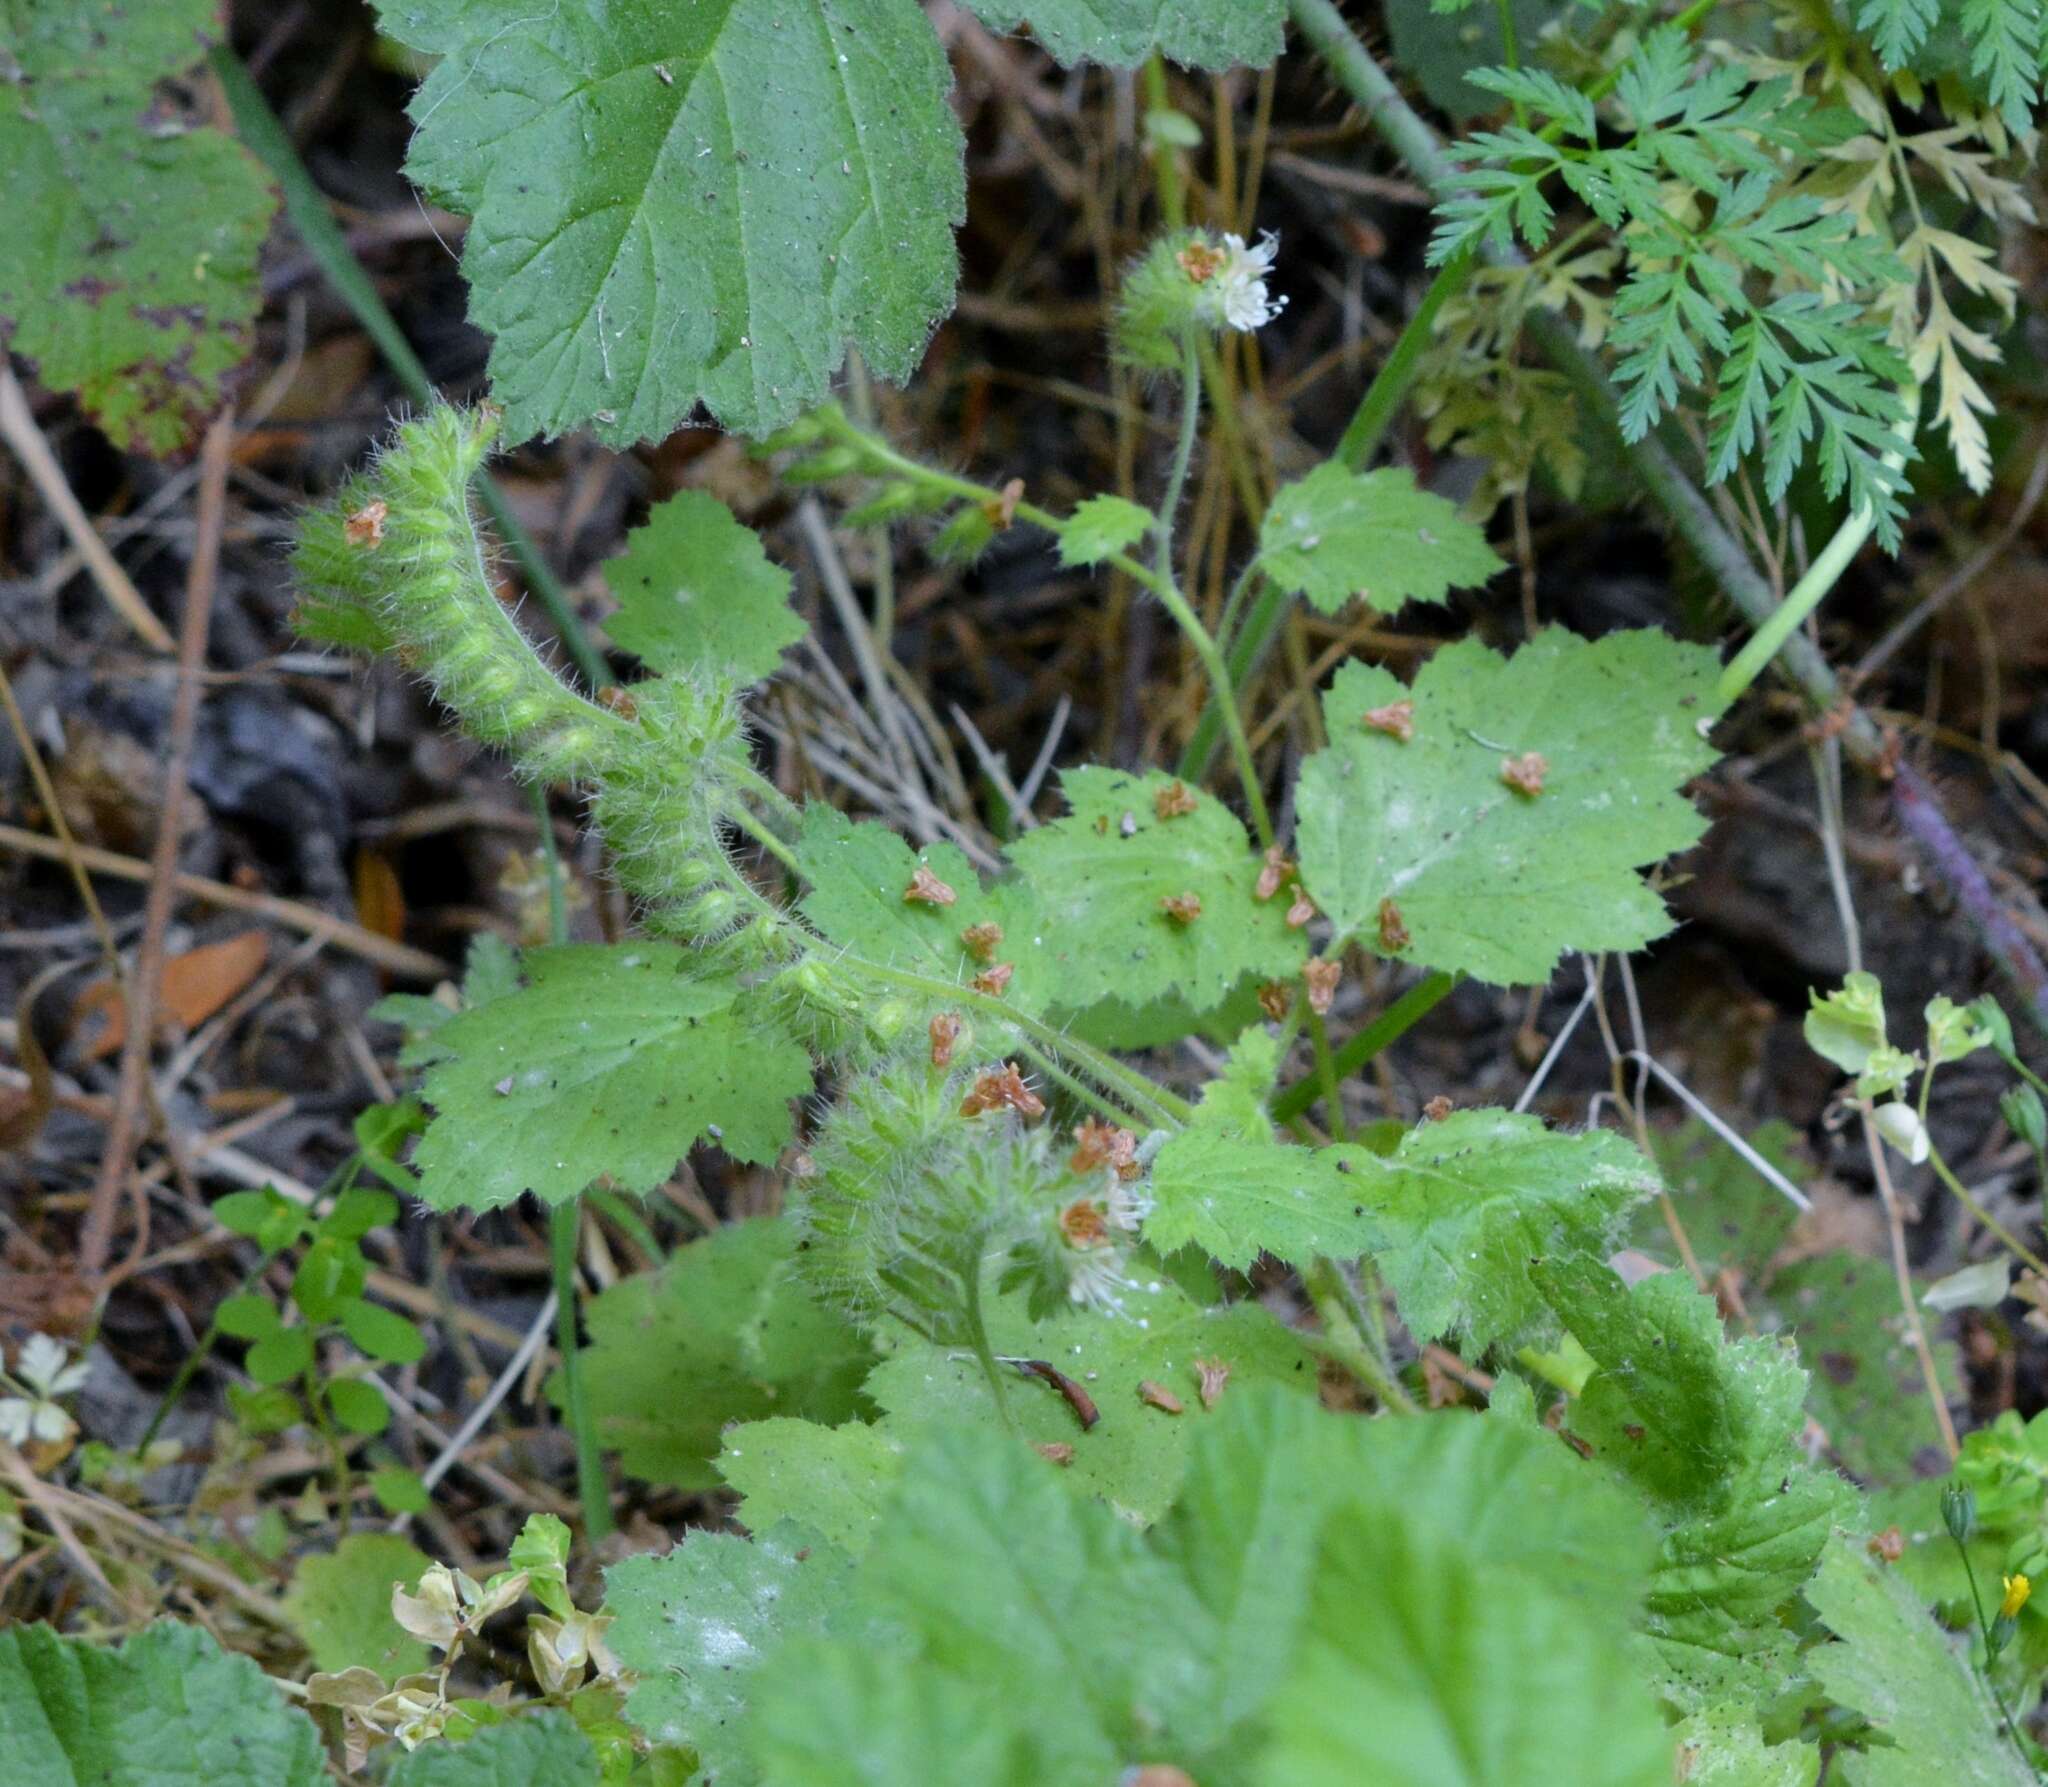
(2017, 1589)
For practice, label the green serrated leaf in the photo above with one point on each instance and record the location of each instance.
(340, 1603)
(540, 1748)
(1264, 1475)
(722, 1333)
(1101, 877)
(76, 1712)
(696, 1623)
(613, 1060)
(1405, 1625)
(834, 1480)
(1237, 1199)
(698, 596)
(1337, 534)
(130, 277)
(1100, 526)
(1897, 1668)
(1122, 33)
(1465, 1210)
(674, 206)
(1427, 839)
(859, 873)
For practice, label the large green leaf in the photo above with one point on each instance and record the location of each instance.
(340, 1601)
(1897, 1668)
(1101, 875)
(674, 205)
(1134, 1454)
(539, 1749)
(697, 595)
(835, 1480)
(1338, 534)
(1425, 838)
(128, 268)
(1237, 1198)
(613, 1060)
(1200, 33)
(723, 1332)
(695, 1624)
(168, 1708)
(1424, 1666)
(1262, 1478)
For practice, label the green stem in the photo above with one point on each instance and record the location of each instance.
(1962, 1194)
(304, 203)
(1383, 1031)
(1173, 202)
(337, 1450)
(1326, 1076)
(1821, 576)
(1345, 1343)
(1991, 1655)
(564, 1222)
(188, 1369)
(977, 1335)
(1183, 456)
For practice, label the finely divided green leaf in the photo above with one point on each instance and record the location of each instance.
(684, 205)
(167, 1708)
(1427, 837)
(698, 595)
(1197, 33)
(722, 1333)
(613, 1060)
(1338, 534)
(128, 274)
(1101, 875)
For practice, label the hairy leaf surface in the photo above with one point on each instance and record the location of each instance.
(698, 595)
(1338, 534)
(1198, 33)
(613, 1060)
(167, 1708)
(1101, 877)
(674, 206)
(1425, 839)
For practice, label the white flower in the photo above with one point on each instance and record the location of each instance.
(40, 1369)
(1126, 1207)
(1095, 1278)
(1234, 294)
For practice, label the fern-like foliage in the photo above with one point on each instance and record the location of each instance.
(1737, 285)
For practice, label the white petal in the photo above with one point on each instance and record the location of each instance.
(39, 1362)
(15, 1415)
(49, 1422)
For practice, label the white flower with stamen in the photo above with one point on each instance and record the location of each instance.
(41, 1371)
(1234, 294)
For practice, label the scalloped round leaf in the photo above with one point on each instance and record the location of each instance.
(1337, 534)
(1101, 526)
(1104, 878)
(674, 206)
(1511, 826)
(610, 1060)
(697, 594)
